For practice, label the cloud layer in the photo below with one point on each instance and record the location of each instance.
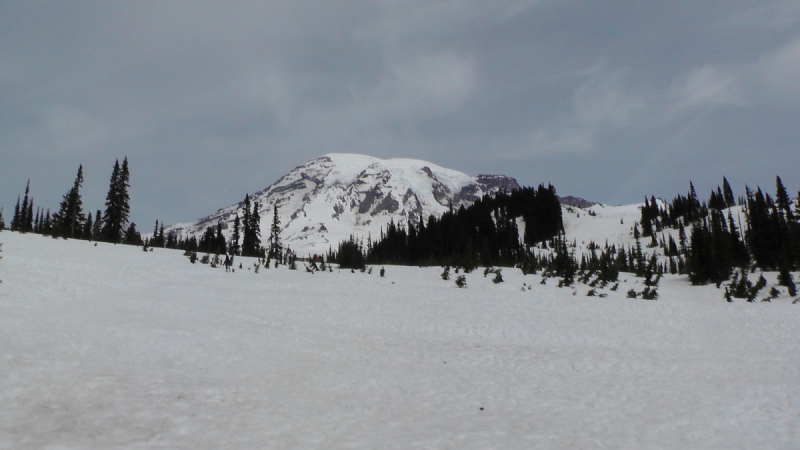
(210, 100)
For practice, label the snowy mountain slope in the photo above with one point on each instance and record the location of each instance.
(331, 197)
(110, 347)
(614, 225)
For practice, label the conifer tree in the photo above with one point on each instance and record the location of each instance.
(246, 236)
(251, 239)
(69, 219)
(29, 217)
(15, 219)
(117, 211)
(97, 227)
(37, 221)
(86, 234)
(2, 221)
(47, 227)
(220, 246)
(132, 237)
(275, 246)
(233, 245)
(255, 230)
(727, 193)
(23, 210)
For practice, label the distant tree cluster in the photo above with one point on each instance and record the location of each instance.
(70, 221)
(485, 233)
(718, 244)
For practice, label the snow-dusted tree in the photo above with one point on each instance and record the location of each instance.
(2, 221)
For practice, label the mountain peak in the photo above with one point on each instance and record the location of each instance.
(335, 195)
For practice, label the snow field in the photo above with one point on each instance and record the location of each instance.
(110, 347)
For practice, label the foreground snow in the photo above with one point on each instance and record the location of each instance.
(111, 347)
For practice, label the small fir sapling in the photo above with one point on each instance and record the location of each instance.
(461, 281)
(632, 294)
(383, 271)
(649, 294)
(753, 291)
(786, 279)
(498, 278)
(446, 273)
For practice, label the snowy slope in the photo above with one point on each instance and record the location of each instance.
(325, 200)
(110, 347)
(614, 225)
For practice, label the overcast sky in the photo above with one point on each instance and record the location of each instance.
(608, 100)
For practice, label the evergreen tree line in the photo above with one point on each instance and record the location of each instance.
(70, 220)
(244, 239)
(769, 239)
(485, 233)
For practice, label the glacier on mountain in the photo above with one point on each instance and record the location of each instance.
(324, 201)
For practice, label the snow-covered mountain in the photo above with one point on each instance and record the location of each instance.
(331, 197)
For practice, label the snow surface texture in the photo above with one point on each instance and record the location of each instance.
(110, 347)
(324, 201)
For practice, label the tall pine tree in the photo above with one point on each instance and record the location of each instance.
(115, 219)
(275, 246)
(70, 217)
(233, 245)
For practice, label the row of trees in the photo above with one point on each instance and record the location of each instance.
(244, 239)
(70, 221)
(485, 233)
(719, 243)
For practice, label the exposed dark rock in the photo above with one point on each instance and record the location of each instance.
(497, 182)
(576, 202)
(370, 197)
(388, 204)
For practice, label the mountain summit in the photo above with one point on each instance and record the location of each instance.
(333, 196)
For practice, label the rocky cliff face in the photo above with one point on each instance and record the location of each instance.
(331, 197)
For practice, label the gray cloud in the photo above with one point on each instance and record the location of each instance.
(209, 100)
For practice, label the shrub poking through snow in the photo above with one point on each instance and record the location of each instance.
(446, 273)
(383, 271)
(461, 281)
(632, 294)
(498, 278)
(649, 294)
